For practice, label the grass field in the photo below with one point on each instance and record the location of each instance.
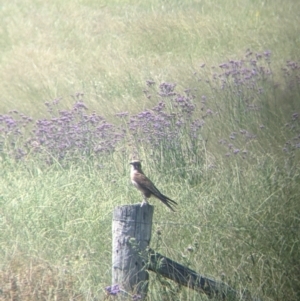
(206, 93)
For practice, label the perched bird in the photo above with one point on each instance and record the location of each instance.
(142, 183)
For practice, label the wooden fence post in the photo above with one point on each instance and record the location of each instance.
(131, 230)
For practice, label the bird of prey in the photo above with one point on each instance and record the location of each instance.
(142, 183)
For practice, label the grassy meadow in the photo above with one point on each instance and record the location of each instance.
(206, 93)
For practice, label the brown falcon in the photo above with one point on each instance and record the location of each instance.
(142, 183)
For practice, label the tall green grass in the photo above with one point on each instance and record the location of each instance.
(238, 214)
(107, 49)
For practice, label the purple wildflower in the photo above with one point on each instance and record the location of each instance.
(150, 83)
(113, 289)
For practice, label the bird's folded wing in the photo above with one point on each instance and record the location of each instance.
(146, 184)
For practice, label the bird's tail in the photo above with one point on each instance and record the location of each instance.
(167, 202)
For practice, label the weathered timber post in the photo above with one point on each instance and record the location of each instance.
(131, 230)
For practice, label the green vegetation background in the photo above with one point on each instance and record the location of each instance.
(237, 221)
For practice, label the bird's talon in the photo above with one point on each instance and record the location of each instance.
(144, 203)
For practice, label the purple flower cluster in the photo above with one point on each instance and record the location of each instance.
(294, 128)
(245, 78)
(168, 123)
(167, 89)
(12, 129)
(73, 133)
(177, 122)
(245, 92)
(114, 290)
(242, 138)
